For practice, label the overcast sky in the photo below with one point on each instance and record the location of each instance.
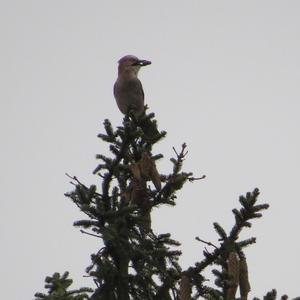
(224, 79)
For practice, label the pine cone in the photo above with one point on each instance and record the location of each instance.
(149, 171)
(233, 269)
(244, 280)
(185, 288)
(138, 193)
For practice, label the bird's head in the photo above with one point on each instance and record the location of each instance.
(131, 64)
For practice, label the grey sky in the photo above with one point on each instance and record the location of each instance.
(224, 79)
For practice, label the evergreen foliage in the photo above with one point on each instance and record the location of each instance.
(135, 262)
(58, 285)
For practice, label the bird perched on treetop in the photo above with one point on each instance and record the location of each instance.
(128, 89)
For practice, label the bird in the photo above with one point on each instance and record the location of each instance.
(128, 89)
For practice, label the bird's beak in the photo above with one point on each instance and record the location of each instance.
(142, 62)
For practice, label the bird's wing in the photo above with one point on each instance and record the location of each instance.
(136, 88)
(129, 95)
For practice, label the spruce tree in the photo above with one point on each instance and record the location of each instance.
(135, 262)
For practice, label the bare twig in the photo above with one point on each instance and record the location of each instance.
(182, 154)
(175, 151)
(88, 233)
(207, 243)
(74, 178)
(191, 179)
